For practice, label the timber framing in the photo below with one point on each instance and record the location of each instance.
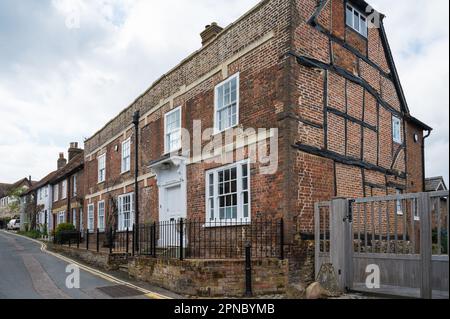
(332, 38)
(316, 64)
(351, 118)
(347, 160)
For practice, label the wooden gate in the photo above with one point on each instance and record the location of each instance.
(404, 237)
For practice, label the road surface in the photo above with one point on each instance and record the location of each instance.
(27, 272)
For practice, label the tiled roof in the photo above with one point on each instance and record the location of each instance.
(4, 188)
(42, 182)
(75, 164)
(432, 184)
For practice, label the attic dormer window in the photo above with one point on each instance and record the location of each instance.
(356, 20)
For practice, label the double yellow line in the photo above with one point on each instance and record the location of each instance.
(98, 273)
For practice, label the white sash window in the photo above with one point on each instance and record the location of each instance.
(101, 215)
(90, 217)
(227, 104)
(126, 211)
(228, 193)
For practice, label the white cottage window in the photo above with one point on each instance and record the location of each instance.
(172, 130)
(126, 156)
(228, 193)
(227, 104)
(101, 215)
(101, 168)
(126, 211)
(356, 20)
(90, 217)
(396, 130)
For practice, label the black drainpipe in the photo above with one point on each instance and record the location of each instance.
(136, 117)
(423, 159)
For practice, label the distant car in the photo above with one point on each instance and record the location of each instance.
(14, 224)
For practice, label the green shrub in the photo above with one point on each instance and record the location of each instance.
(35, 234)
(66, 227)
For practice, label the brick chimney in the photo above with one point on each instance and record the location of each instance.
(210, 32)
(61, 161)
(74, 150)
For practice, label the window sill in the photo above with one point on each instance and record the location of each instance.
(177, 152)
(226, 223)
(217, 132)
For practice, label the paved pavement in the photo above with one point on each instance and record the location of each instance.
(27, 272)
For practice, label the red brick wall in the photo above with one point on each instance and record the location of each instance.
(361, 129)
(275, 91)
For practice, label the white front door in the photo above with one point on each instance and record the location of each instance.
(172, 211)
(173, 208)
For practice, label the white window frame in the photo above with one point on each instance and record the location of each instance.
(64, 189)
(126, 159)
(61, 217)
(240, 194)
(121, 221)
(81, 219)
(397, 125)
(90, 218)
(167, 148)
(55, 193)
(101, 170)
(362, 28)
(101, 217)
(217, 129)
(74, 217)
(398, 203)
(74, 182)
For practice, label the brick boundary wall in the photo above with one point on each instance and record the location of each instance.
(102, 260)
(212, 278)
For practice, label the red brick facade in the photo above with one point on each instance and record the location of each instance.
(329, 91)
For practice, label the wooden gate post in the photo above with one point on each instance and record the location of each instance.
(426, 291)
(340, 245)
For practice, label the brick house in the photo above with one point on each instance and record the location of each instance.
(67, 189)
(41, 204)
(313, 71)
(7, 201)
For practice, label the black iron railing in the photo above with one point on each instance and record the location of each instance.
(195, 239)
(187, 239)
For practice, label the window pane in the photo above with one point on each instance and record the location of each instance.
(349, 16)
(356, 21)
(364, 26)
(234, 186)
(220, 97)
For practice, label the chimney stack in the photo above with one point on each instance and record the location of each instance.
(61, 161)
(74, 150)
(210, 32)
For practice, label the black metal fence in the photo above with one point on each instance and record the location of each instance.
(195, 239)
(187, 239)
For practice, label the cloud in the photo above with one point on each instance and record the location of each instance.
(419, 37)
(69, 66)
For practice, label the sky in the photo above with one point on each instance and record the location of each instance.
(68, 66)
